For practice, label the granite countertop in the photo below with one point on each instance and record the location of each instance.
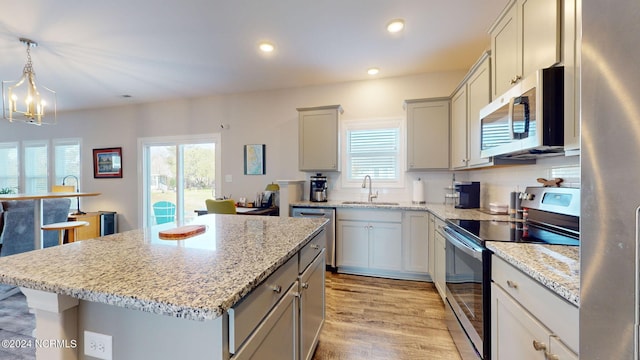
(440, 210)
(555, 266)
(198, 278)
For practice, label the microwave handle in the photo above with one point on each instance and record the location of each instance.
(524, 101)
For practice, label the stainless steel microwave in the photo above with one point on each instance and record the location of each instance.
(528, 120)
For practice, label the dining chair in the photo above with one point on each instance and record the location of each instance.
(164, 212)
(227, 206)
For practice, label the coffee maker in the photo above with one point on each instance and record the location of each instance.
(318, 188)
(468, 194)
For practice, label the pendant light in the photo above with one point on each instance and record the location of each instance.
(23, 100)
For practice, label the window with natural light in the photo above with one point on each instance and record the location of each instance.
(31, 167)
(373, 147)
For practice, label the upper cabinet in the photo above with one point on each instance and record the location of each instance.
(472, 95)
(318, 138)
(427, 134)
(526, 37)
(536, 34)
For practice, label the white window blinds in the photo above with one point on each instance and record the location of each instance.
(35, 167)
(9, 166)
(373, 152)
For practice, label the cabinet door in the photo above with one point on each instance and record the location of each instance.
(505, 51)
(277, 335)
(415, 241)
(459, 129)
(427, 134)
(558, 351)
(318, 139)
(440, 265)
(540, 24)
(353, 243)
(515, 334)
(385, 244)
(478, 96)
(312, 305)
(432, 245)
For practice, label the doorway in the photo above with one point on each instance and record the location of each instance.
(179, 174)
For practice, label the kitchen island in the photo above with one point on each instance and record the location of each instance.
(156, 298)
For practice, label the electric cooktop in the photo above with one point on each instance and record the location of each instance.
(481, 231)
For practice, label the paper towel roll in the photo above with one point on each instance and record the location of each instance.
(418, 192)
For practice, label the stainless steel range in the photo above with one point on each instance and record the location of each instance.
(552, 216)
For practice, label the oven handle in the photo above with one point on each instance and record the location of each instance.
(473, 251)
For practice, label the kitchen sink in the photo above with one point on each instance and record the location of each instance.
(369, 203)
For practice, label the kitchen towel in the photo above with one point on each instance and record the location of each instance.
(418, 192)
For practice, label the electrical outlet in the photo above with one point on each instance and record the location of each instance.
(97, 345)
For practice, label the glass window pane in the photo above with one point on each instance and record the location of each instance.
(9, 166)
(35, 168)
(199, 177)
(66, 160)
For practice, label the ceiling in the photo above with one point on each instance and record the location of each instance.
(94, 52)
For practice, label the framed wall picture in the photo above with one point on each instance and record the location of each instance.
(254, 159)
(107, 163)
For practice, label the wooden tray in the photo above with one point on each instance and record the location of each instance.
(182, 232)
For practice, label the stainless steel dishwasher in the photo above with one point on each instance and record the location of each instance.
(329, 213)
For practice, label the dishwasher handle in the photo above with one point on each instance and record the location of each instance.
(313, 214)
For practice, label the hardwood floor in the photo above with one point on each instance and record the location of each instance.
(372, 318)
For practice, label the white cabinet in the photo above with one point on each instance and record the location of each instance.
(528, 321)
(431, 244)
(472, 95)
(318, 138)
(369, 240)
(312, 306)
(427, 134)
(459, 131)
(415, 239)
(478, 96)
(440, 263)
(526, 37)
(282, 317)
(277, 336)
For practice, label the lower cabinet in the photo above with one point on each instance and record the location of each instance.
(440, 265)
(388, 243)
(312, 306)
(369, 240)
(282, 317)
(415, 238)
(277, 336)
(528, 321)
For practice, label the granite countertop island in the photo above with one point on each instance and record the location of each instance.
(197, 279)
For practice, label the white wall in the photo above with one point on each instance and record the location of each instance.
(255, 118)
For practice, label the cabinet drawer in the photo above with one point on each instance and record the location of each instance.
(369, 215)
(560, 316)
(245, 316)
(311, 250)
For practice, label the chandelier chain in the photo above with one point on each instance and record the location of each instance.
(28, 67)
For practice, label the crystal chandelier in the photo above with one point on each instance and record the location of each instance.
(23, 101)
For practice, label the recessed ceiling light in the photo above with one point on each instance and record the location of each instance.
(373, 71)
(395, 25)
(266, 47)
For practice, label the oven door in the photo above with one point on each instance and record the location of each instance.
(468, 284)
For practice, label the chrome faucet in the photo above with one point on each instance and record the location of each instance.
(364, 186)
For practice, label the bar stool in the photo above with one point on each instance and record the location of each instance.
(67, 225)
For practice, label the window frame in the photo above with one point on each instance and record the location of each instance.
(373, 124)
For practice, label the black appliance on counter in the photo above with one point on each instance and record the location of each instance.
(552, 216)
(468, 194)
(318, 188)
